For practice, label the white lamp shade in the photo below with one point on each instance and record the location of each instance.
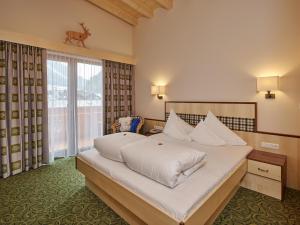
(267, 83)
(162, 90)
(158, 90)
(154, 90)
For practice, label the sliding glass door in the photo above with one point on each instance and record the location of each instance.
(89, 104)
(74, 104)
(57, 73)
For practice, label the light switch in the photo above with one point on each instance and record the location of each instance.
(269, 145)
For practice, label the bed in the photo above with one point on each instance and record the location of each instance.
(198, 200)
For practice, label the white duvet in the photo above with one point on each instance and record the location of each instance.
(181, 201)
(167, 163)
(109, 146)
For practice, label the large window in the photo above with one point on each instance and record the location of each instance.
(74, 103)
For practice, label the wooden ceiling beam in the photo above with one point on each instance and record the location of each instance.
(130, 10)
(167, 4)
(115, 10)
(140, 7)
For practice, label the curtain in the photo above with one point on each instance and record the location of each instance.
(60, 70)
(119, 92)
(89, 102)
(23, 108)
(74, 103)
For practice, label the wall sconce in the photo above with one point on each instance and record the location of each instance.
(268, 84)
(159, 91)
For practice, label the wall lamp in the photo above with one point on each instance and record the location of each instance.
(268, 84)
(159, 91)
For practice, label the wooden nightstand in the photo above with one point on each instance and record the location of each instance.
(266, 173)
(150, 133)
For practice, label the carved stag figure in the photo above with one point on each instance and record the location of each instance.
(78, 36)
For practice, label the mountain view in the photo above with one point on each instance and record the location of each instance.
(58, 78)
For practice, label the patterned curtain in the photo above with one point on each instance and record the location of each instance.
(23, 120)
(119, 92)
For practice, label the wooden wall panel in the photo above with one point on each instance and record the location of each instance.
(289, 146)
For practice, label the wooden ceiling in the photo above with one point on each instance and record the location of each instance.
(131, 10)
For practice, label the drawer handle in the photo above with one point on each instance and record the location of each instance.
(262, 170)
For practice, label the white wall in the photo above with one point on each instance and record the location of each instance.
(50, 19)
(214, 50)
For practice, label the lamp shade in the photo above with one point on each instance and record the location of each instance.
(158, 90)
(267, 83)
(154, 90)
(162, 90)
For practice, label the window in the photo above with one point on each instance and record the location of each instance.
(89, 103)
(75, 103)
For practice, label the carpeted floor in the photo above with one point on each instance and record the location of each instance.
(56, 195)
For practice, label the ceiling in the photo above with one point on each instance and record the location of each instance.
(131, 10)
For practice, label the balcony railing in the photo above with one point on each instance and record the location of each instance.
(89, 126)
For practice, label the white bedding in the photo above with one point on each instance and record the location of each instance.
(179, 201)
(109, 146)
(164, 162)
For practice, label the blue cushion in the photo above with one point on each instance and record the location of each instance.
(134, 124)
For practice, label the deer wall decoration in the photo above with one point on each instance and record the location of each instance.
(79, 37)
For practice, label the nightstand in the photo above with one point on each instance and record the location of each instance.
(266, 173)
(150, 133)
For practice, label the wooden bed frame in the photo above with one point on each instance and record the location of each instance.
(136, 210)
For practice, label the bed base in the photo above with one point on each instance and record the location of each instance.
(113, 204)
(138, 211)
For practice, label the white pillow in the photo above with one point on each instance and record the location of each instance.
(125, 123)
(204, 136)
(187, 128)
(109, 146)
(177, 128)
(222, 131)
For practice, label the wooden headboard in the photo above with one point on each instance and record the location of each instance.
(239, 112)
(239, 116)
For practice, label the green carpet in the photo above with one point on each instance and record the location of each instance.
(56, 195)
